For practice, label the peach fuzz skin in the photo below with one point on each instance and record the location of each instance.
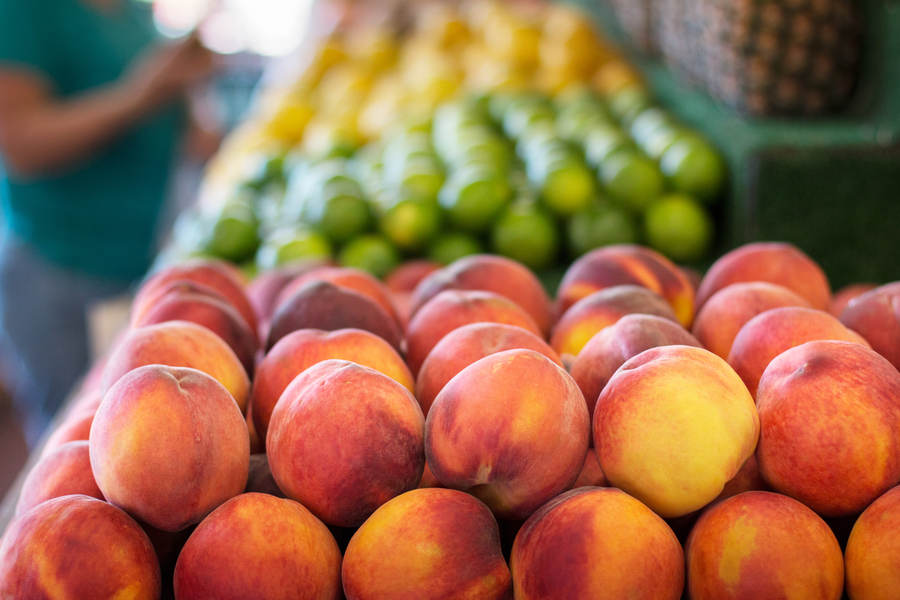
(261, 547)
(77, 547)
(844, 296)
(830, 420)
(873, 550)
(768, 334)
(763, 545)
(301, 349)
(596, 542)
(721, 318)
(626, 264)
(427, 543)
(875, 315)
(451, 309)
(463, 346)
(168, 445)
(602, 309)
(511, 428)
(489, 273)
(64, 471)
(773, 262)
(674, 397)
(611, 347)
(179, 344)
(344, 439)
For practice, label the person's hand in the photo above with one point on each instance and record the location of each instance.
(167, 72)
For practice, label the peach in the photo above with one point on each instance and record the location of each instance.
(763, 545)
(830, 420)
(218, 275)
(673, 426)
(873, 550)
(344, 439)
(208, 311)
(768, 334)
(262, 547)
(612, 346)
(489, 273)
(453, 308)
(625, 264)
(876, 316)
(428, 479)
(180, 344)
(403, 280)
(511, 428)
(591, 474)
(168, 445)
(774, 262)
(64, 471)
(729, 309)
(463, 346)
(847, 294)
(264, 290)
(260, 477)
(427, 543)
(747, 479)
(593, 313)
(76, 426)
(301, 349)
(596, 542)
(77, 547)
(324, 305)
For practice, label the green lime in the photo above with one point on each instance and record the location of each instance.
(629, 101)
(473, 197)
(632, 179)
(600, 225)
(568, 186)
(339, 216)
(603, 142)
(518, 120)
(450, 247)
(693, 166)
(527, 234)
(234, 233)
(423, 180)
(678, 226)
(372, 253)
(656, 143)
(292, 245)
(411, 223)
(649, 121)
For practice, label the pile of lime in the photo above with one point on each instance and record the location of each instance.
(535, 178)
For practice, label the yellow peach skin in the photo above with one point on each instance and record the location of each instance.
(64, 471)
(873, 551)
(673, 426)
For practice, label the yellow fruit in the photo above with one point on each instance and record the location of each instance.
(615, 76)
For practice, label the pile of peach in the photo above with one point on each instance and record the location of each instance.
(452, 433)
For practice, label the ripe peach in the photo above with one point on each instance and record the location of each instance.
(674, 397)
(451, 309)
(511, 428)
(403, 280)
(591, 314)
(611, 347)
(591, 474)
(596, 542)
(75, 426)
(763, 545)
(876, 316)
(77, 547)
(180, 344)
(873, 550)
(768, 334)
(324, 305)
(301, 349)
(628, 265)
(168, 445)
(427, 543)
(264, 290)
(64, 471)
(847, 294)
(428, 479)
(463, 346)
(344, 439)
(747, 479)
(729, 309)
(830, 420)
(775, 262)
(489, 273)
(259, 546)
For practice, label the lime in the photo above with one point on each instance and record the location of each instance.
(678, 226)
(648, 122)
(632, 179)
(289, 245)
(527, 234)
(372, 253)
(600, 225)
(518, 120)
(449, 247)
(339, 216)
(568, 186)
(656, 143)
(629, 102)
(473, 197)
(411, 223)
(603, 142)
(692, 166)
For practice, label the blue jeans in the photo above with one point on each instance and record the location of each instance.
(43, 329)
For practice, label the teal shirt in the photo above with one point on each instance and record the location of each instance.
(98, 216)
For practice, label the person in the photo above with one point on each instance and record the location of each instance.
(90, 115)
